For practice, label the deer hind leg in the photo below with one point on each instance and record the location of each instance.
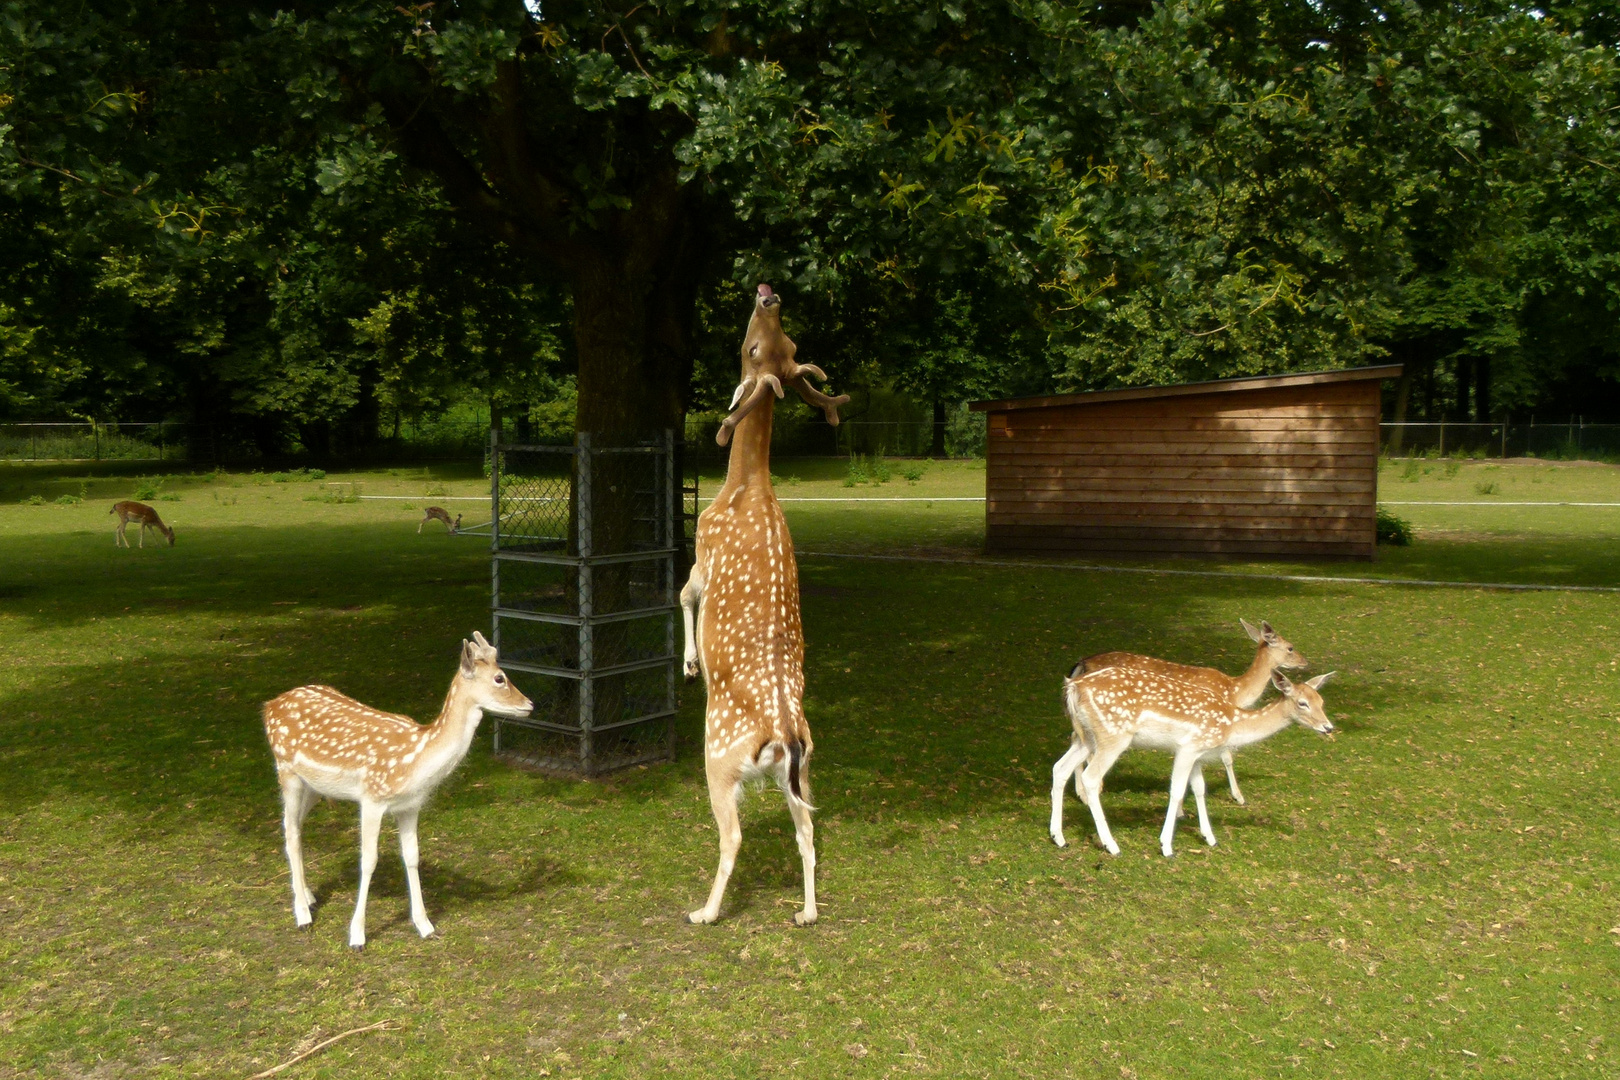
(1231, 778)
(723, 792)
(804, 830)
(1102, 759)
(1197, 783)
(1068, 765)
(691, 597)
(371, 814)
(1180, 773)
(296, 799)
(408, 852)
(419, 525)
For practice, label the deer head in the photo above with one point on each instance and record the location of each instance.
(482, 677)
(768, 365)
(1304, 703)
(1280, 653)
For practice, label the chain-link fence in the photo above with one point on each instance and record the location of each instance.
(588, 543)
(1573, 440)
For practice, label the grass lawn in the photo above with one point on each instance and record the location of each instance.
(1430, 894)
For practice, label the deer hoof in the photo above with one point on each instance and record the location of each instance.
(1210, 840)
(1111, 847)
(804, 918)
(691, 671)
(699, 918)
(1239, 799)
(1057, 838)
(425, 928)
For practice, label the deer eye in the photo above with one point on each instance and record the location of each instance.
(753, 350)
(500, 680)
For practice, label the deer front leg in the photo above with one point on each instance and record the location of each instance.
(293, 808)
(691, 597)
(1231, 778)
(1203, 811)
(1066, 766)
(371, 814)
(1180, 773)
(723, 794)
(406, 820)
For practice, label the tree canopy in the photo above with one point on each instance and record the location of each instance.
(288, 215)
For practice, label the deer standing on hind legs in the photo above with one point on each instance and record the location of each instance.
(1118, 708)
(1245, 690)
(741, 611)
(327, 743)
(129, 511)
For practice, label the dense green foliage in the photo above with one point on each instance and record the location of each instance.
(285, 217)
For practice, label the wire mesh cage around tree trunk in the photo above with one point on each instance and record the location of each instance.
(587, 543)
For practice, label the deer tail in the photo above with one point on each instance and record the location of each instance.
(795, 750)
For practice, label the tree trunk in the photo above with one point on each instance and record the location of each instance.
(936, 449)
(1403, 398)
(1465, 368)
(1482, 389)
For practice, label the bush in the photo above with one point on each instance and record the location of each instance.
(34, 500)
(1393, 530)
(68, 500)
(317, 474)
(1490, 488)
(280, 478)
(147, 487)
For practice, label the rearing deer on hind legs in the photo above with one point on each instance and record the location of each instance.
(741, 610)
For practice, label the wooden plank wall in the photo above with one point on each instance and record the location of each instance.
(1291, 471)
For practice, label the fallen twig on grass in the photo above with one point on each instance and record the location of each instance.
(381, 1025)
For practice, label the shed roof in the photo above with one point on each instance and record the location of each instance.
(1213, 386)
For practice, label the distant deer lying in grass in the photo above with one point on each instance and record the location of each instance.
(327, 743)
(1117, 708)
(129, 511)
(1274, 654)
(439, 513)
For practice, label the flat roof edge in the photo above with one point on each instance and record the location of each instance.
(1213, 386)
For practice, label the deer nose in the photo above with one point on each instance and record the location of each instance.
(764, 289)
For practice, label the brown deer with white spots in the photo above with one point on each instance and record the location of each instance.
(439, 513)
(1245, 690)
(327, 743)
(741, 609)
(1118, 708)
(142, 514)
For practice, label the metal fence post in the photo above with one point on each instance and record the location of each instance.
(583, 465)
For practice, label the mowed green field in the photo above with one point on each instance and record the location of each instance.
(1430, 894)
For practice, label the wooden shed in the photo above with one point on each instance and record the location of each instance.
(1284, 466)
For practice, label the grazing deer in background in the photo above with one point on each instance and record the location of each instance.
(743, 596)
(1118, 708)
(327, 743)
(1245, 690)
(129, 511)
(438, 513)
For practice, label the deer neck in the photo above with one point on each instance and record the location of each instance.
(452, 731)
(750, 464)
(1252, 726)
(1253, 682)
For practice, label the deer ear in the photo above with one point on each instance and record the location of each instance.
(1267, 632)
(468, 659)
(1320, 681)
(1280, 681)
(1254, 635)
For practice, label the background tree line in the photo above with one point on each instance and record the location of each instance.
(295, 219)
